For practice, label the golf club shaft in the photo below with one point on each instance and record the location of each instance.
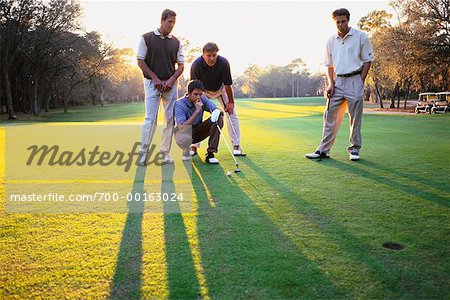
(220, 99)
(226, 143)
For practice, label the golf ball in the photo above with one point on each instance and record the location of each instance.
(228, 173)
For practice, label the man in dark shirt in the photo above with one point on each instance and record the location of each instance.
(189, 126)
(214, 71)
(158, 53)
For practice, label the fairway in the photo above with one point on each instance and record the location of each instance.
(284, 228)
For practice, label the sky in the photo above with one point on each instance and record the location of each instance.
(247, 32)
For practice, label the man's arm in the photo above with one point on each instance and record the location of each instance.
(145, 68)
(180, 68)
(365, 70)
(230, 105)
(198, 109)
(330, 77)
(366, 56)
(195, 72)
(171, 81)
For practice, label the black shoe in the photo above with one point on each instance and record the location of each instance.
(210, 159)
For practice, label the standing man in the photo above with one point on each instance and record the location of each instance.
(348, 58)
(214, 71)
(158, 53)
(190, 128)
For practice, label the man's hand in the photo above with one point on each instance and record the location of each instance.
(198, 105)
(330, 91)
(157, 83)
(215, 115)
(229, 107)
(169, 84)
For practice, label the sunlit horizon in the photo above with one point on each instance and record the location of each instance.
(262, 33)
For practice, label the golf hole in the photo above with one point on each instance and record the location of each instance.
(393, 246)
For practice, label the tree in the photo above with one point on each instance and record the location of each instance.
(251, 77)
(299, 72)
(16, 18)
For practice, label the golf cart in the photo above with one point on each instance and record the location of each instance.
(426, 102)
(441, 105)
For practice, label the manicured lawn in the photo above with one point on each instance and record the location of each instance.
(285, 227)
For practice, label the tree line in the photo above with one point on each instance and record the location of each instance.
(47, 60)
(292, 80)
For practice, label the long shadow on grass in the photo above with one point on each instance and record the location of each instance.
(127, 275)
(182, 279)
(442, 186)
(354, 248)
(409, 190)
(243, 254)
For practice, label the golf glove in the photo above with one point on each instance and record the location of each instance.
(215, 115)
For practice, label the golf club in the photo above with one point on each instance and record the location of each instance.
(327, 109)
(237, 170)
(220, 99)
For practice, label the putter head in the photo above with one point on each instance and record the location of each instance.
(237, 170)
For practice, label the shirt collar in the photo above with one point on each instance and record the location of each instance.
(349, 33)
(188, 102)
(160, 34)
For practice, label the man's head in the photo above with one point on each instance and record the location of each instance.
(168, 19)
(195, 90)
(341, 17)
(210, 53)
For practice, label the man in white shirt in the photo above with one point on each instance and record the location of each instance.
(348, 57)
(160, 57)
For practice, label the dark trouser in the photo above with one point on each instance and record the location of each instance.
(184, 136)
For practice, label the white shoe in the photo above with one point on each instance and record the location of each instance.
(210, 159)
(167, 159)
(186, 155)
(193, 149)
(354, 156)
(318, 154)
(238, 152)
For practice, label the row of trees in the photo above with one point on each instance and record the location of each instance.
(47, 60)
(412, 55)
(292, 80)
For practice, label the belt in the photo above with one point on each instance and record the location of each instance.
(350, 74)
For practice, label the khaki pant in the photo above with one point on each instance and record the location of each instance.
(348, 90)
(153, 97)
(233, 129)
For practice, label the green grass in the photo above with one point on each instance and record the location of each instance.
(286, 227)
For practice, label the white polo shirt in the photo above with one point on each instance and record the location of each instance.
(142, 50)
(348, 54)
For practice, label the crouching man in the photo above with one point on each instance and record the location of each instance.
(189, 126)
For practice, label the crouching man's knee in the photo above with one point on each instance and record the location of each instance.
(183, 136)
